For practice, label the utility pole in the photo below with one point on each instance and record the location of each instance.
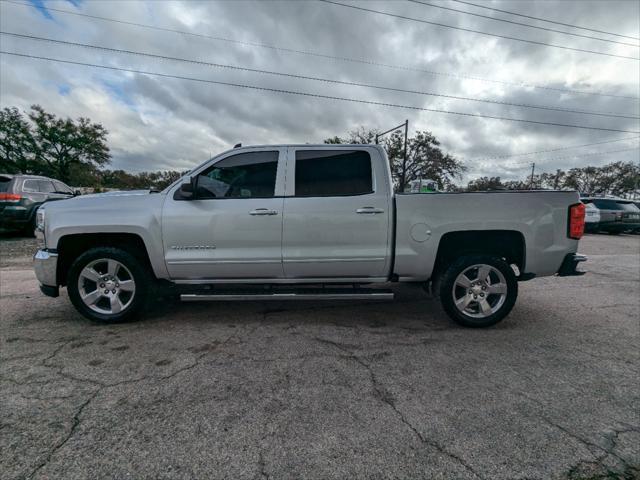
(533, 169)
(404, 156)
(404, 161)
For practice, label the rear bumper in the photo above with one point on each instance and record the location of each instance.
(45, 264)
(14, 216)
(618, 226)
(570, 264)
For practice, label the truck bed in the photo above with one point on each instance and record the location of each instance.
(540, 217)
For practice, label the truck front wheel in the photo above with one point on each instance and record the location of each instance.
(478, 290)
(108, 284)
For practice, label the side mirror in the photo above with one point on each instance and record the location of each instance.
(187, 189)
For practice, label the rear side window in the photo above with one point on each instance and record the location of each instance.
(30, 186)
(331, 173)
(246, 175)
(5, 182)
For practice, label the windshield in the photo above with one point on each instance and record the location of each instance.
(607, 204)
(180, 180)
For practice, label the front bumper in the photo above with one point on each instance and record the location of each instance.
(570, 264)
(45, 264)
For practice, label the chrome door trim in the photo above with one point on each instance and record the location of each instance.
(265, 280)
(190, 297)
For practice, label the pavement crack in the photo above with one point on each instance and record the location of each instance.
(606, 451)
(68, 436)
(382, 394)
(262, 466)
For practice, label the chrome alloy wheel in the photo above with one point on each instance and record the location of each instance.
(106, 286)
(479, 291)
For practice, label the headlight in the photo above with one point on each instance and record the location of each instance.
(40, 219)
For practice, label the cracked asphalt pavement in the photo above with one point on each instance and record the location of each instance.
(327, 390)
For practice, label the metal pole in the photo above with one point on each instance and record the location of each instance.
(404, 161)
(533, 169)
(406, 133)
(376, 138)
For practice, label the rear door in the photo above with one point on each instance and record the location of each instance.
(233, 227)
(336, 214)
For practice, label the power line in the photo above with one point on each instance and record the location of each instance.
(318, 79)
(497, 157)
(327, 56)
(594, 154)
(543, 19)
(317, 95)
(528, 25)
(507, 37)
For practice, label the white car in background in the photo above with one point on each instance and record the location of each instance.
(591, 218)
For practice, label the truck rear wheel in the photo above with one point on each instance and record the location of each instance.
(479, 290)
(108, 284)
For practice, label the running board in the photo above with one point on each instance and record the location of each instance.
(213, 297)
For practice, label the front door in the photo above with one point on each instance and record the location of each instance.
(232, 228)
(336, 214)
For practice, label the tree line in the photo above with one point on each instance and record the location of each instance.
(73, 151)
(617, 178)
(76, 152)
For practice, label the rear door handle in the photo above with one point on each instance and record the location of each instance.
(263, 211)
(369, 210)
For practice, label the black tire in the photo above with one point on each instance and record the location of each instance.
(446, 291)
(138, 272)
(29, 229)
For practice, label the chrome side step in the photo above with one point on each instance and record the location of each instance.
(213, 297)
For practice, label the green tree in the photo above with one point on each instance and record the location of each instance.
(16, 143)
(485, 183)
(425, 158)
(60, 144)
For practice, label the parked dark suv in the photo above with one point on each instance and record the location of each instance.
(616, 215)
(21, 195)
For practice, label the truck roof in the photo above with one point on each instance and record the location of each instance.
(311, 145)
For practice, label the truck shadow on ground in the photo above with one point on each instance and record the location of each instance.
(412, 310)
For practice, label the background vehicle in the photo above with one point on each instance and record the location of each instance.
(21, 195)
(592, 217)
(616, 215)
(270, 222)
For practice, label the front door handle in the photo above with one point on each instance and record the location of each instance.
(369, 210)
(263, 211)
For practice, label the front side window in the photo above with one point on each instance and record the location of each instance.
(246, 175)
(45, 186)
(62, 188)
(332, 173)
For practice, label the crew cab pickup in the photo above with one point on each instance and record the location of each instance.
(285, 222)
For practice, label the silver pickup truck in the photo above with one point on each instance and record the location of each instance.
(284, 222)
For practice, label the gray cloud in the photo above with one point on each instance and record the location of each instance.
(160, 123)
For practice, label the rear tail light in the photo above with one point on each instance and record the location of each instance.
(10, 197)
(576, 221)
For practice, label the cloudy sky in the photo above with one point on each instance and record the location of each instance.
(160, 122)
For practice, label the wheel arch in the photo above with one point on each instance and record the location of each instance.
(71, 246)
(507, 244)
